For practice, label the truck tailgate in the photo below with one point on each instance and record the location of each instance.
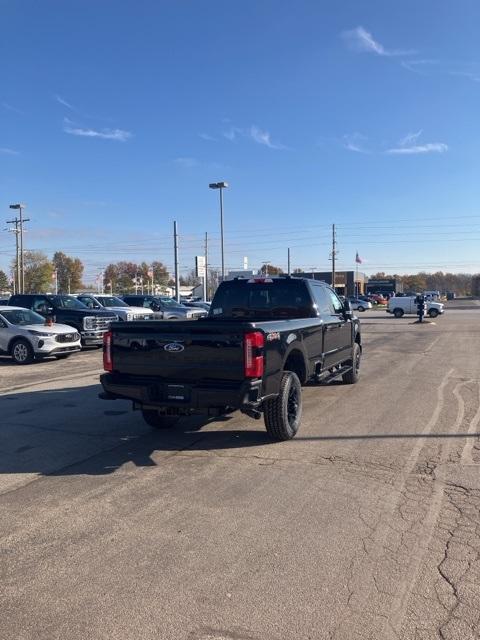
(184, 351)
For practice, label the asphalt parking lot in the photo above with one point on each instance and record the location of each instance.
(367, 525)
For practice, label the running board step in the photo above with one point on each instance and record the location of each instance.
(334, 375)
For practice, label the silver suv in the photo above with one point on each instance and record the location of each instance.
(26, 336)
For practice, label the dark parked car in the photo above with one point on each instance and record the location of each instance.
(262, 340)
(170, 309)
(91, 324)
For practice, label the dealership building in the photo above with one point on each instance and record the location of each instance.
(347, 283)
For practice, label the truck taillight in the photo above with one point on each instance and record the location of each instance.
(107, 351)
(253, 352)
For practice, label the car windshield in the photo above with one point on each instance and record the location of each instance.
(111, 301)
(22, 317)
(170, 302)
(262, 300)
(68, 302)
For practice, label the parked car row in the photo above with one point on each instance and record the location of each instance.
(33, 326)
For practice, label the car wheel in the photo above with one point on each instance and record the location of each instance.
(22, 352)
(398, 313)
(361, 309)
(433, 313)
(351, 377)
(155, 419)
(282, 415)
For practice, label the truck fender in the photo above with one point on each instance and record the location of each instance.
(296, 360)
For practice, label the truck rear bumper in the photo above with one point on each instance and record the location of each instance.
(186, 398)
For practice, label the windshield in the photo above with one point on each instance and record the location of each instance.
(68, 302)
(111, 301)
(257, 300)
(23, 317)
(170, 302)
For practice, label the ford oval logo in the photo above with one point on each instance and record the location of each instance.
(173, 347)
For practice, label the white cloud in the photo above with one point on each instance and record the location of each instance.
(430, 147)
(9, 107)
(419, 66)
(207, 136)
(263, 137)
(63, 102)
(9, 152)
(410, 138)
(231, 134)
(186, 163)
(105, 134)
(355, 142)
(361, 40)
(466, 74)
(253, 133)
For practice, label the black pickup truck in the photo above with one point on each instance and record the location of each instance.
(90, 323)
(262, 340)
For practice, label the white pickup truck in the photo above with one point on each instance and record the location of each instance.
(401, 305)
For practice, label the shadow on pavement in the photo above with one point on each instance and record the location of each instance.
(71, 432)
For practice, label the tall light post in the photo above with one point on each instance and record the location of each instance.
(20, 208)
(221, 186)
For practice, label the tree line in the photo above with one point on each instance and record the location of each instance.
(43, 274)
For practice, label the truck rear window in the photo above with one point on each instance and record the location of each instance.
(271, 299)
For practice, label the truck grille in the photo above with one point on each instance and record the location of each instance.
(67, 337)
(101, 324)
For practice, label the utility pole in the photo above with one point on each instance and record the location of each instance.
(16, 231)
(175, 252)
(334, 253)
(21, 284)
(288, 261)
(205, 279)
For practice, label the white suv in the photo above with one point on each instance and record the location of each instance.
(25, 336)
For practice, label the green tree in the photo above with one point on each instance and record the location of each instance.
(69, 272)
(122, 276)
(38, 272)
(4, 281)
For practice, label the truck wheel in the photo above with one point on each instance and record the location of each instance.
(398, 313)
(352, 376)
(282, 414)
(433, 313)
(22, 352)
(154, 419)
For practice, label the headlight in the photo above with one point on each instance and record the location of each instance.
(40, 334)
(88, 322)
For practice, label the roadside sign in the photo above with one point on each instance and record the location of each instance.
(200, 267)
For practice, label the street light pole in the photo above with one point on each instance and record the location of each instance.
(21, 282)
(221, 186)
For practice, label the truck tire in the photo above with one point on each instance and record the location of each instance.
(351, 377)
(22, 352)
(158, 421)
(433, 313)
(398, 313)
(282, 414)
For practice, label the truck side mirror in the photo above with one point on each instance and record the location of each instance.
(347, 309)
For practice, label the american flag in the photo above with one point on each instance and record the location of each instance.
(358, 260)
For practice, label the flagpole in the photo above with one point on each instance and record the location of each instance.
(356, 275)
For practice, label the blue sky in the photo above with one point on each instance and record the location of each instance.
(115, 116)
